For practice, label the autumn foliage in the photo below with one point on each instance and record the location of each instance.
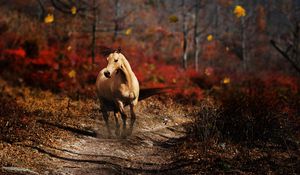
(246, 92)
(60, 70)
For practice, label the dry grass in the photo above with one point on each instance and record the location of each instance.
(246, 133)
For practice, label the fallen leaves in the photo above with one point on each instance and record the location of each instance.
(128, 31)
(173, 19)
(226, 80)
(239, 11)
(72, 74)
(73, 10)
(210, 37)
(49, 18)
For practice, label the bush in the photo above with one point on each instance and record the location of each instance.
(246, 117)
(31, 48)
(248, 112)
(205, 124)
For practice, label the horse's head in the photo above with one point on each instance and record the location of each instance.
(115, 62)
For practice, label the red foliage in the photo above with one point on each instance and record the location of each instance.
(15, 52)
(275, 80)
(50, 70)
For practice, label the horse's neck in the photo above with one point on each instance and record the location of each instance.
(129, 75)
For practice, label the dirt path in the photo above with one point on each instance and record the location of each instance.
(64, 136)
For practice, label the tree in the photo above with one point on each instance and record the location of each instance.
(197, 34)
(292, 42)
(116, 20)
(94, 27)
(73, 8)
(240, 13)
(90, 12)
(185, 32)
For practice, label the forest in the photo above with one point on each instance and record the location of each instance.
(218, 81)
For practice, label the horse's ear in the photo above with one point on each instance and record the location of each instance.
(119, 50)
(105, 51)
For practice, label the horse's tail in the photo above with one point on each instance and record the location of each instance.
(148, 92)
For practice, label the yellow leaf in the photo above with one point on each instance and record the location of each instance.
(210, 37)
(239, 11)
(69, 48)
(226, 80)
(73, 10)
(173, 19)
(208, 71)
(128, 31)
(49, 18)
(72, 74)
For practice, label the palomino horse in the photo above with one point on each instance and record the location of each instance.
(117, 86)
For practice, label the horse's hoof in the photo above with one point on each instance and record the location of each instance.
(124, 135)
(129, 132)
(117, 132)
(109, 136)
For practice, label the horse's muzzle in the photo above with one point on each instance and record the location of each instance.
(107, 74)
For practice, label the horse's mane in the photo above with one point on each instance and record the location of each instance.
(122, 74)
(126, 63)
(105, 51)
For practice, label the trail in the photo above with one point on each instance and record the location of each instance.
(147, 150)
(75, 141)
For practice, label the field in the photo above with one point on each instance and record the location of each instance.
(231, 107)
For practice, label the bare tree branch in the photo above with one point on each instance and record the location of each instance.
(65, 7)
(123, 17)
(285, 55)
(42, 6)
(57, 6)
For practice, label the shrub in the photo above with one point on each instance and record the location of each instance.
(247, 117)
(205, 124)
(31, 48)
(249, 112)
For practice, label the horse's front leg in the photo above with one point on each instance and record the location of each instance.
(123, 116)
(132, 119)
(105, 115)
(117, 131)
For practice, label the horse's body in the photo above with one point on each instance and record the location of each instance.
(117, 86)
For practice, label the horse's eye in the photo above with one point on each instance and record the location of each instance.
(116, 61)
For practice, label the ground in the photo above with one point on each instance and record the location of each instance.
(49, 133)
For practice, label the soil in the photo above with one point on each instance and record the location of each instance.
(50, 133)
(47, 133)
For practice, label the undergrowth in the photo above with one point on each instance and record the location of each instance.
(249, 113)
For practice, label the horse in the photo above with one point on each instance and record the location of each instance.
(117, 87)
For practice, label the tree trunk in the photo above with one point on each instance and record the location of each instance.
(116, 20)
(196, 36)
(216, 22)
(42, 10)
(244, 51)
(94, 26)
(197, 53)
(185, 36)
(185, 54)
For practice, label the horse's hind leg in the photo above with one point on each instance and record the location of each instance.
(132, 119)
